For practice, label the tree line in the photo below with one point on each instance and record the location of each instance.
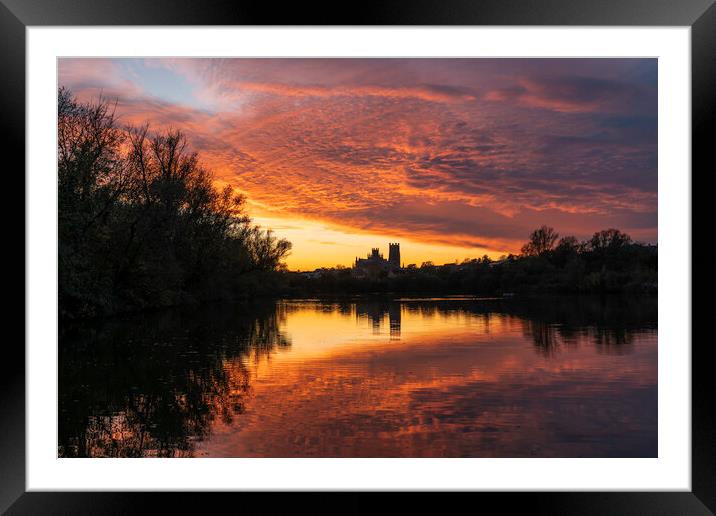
(608, 262)
(141, 223)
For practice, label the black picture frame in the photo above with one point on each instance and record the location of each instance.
(16, 15)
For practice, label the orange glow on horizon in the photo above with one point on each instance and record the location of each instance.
(316, 245)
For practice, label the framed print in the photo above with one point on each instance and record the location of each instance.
(425, 248)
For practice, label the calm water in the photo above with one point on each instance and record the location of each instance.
(366, 378)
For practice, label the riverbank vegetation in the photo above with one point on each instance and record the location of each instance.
(608, 262)
(142, 225)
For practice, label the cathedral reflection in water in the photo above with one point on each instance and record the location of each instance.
(377, 311)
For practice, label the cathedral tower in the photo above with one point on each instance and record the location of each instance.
(394, 254)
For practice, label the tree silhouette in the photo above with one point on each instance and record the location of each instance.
(541, 240)
(141, 223)
(609, 239)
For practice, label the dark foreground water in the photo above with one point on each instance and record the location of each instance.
(564, 377)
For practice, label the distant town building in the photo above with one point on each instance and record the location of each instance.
(375, 263)
(314, 274)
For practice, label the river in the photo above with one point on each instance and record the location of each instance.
(365, 377)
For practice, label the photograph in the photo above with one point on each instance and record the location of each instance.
(384, 257)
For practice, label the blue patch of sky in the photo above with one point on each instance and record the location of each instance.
(163, 83)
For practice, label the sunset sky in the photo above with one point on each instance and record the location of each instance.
(453, 158)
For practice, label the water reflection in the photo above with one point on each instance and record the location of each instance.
(376, 312)
(367, 377)
(154, 385)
